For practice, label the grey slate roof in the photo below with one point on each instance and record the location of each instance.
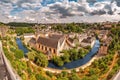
(33, 40)
(48, 42)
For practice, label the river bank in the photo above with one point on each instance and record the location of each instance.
(74, 64)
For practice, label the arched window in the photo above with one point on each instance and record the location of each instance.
(39, 45)
(46, 48)
(50, 49)
(42, 47)
(54, 51)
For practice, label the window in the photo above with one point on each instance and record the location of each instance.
(42, 47)
(54, 51)
(50, 49)
(46, 48)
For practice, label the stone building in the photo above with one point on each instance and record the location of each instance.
(102, 35)
(52, 44)
(103, 50)
(28, 36)
(32, 43)
(89, 41)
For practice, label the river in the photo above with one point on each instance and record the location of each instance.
(70, 65)
(21, 46)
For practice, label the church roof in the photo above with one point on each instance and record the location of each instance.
(33, 40)
(51, 41)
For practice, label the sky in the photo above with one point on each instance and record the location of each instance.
(59, 11)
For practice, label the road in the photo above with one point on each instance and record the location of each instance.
(117, 77)
(10, 72)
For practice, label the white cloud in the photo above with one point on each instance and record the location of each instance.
(33, 11)
(31, 6)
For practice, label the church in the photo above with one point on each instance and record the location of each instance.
(50, 44)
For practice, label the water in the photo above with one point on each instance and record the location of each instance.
(80, 62)
(21, 46)
(73, 64)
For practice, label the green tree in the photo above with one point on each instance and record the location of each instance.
(74, 77)
(64, 73)
(19, 54)
(91, 72)
(31, 56)
(41, 60)
(62, 78)
(32, 77)
(49, 73)
(66, 57)
(9, 55)
(40, 77)
(58, 61)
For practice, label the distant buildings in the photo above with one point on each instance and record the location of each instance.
(102, 35)
(89, 41)
(28, 36)
(107, 26)
(53, 43)
(103, 50)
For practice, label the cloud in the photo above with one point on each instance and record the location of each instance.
(118, 2)
(59, 10)
(19, 3)
(91, 1)
(102, 8)
(30, 6)
(67, 10)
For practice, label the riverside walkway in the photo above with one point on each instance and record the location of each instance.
(69, 70)
(117, 77)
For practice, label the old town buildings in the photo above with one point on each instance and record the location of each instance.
(50, 44)
(53, 43)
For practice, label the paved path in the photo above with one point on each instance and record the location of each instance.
(3, 73)
(117, 77)
(69, 70)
